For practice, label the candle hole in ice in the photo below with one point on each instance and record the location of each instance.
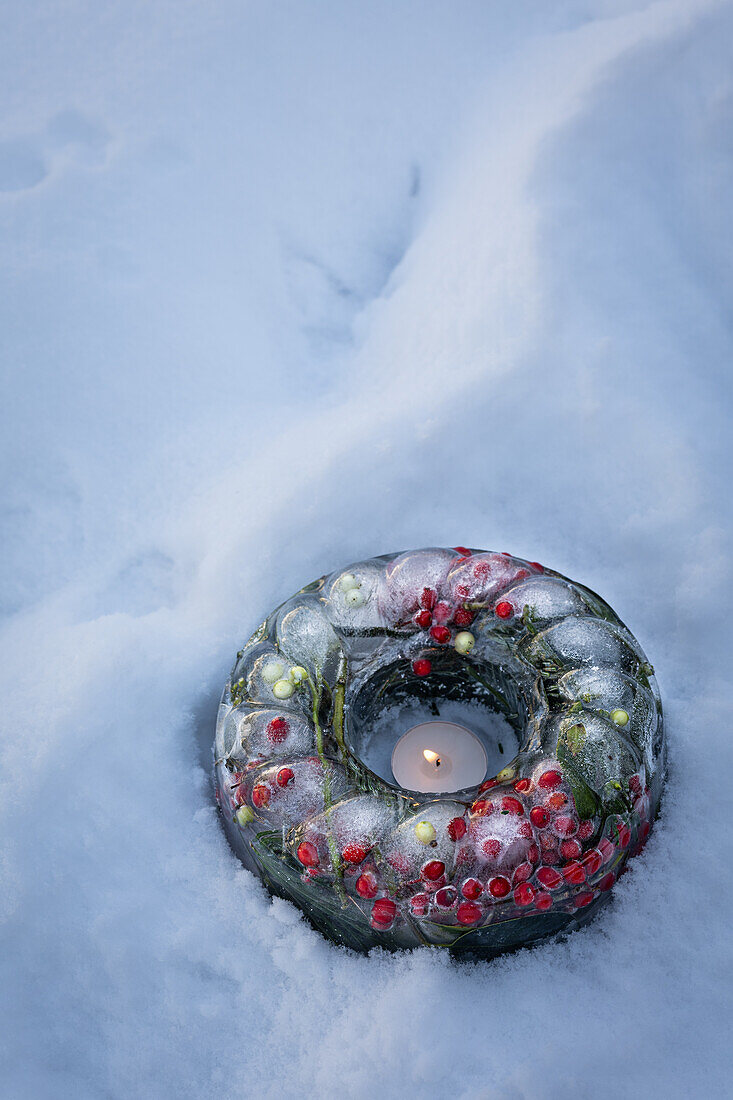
(492, 700)
(496, 735)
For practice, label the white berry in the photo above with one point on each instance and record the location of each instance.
(298, 674)
(619, 717)
(354, 597)
(283, 689)
(425, 832)
(273, 670)
(464, 642)
(348, 581)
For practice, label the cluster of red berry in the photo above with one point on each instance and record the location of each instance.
(544, 856)
(437, 615)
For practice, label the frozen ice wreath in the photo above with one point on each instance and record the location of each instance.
(525, 658)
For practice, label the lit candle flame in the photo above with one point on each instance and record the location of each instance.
(431, 757)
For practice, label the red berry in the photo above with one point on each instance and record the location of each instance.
(442, 612)
(592, 861)
(499, 887)
(539, 816)
(354, 853)
(583, 899)
(573, 873)
(565, 825)
(428, 599)
(523, 786)
(472, 889)
(399, 863)
(504, 609)
(468, 913)
(585, 829)
(550, 779)
(523, 872)
(536, 565)
(525, 830)
(482, 807)
(511, 805)
(481, 570)
(421, 667)
(419, 904)
(635, 785)
(440, 634)
(491, 847)
(260, 796)
(456, 828)
(570, 849)
(384, 911)
(463, 551)
(549, 877)
(607, 881)
(277, 731)
(366, 884)
(446, 897)
(557, 800)
(533, 853)
(433, 870)
(487, 785)
(624, 836)
(644, 831)
(463, 617)
(543, 901)
(308, 854)
(606, 848)
(524, 894)
(423, 619)
(285, 776)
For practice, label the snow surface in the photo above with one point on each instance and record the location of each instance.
(285, 285)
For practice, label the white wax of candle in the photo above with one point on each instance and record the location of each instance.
(438, 757)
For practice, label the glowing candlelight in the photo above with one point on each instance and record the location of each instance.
(438, 757)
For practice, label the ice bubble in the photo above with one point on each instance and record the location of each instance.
(410, 846)
(415, 580)
(594, 748)
(306, 636)
(272, 733)
(608, 690)
(354, 828)
(286, 793)
(481, 577)
(352, 598)
(579, 640)
(545, 598)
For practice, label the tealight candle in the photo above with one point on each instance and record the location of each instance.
(438, 758)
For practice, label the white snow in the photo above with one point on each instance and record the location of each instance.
(284, 286)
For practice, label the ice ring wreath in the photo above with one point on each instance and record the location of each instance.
(446, 747)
